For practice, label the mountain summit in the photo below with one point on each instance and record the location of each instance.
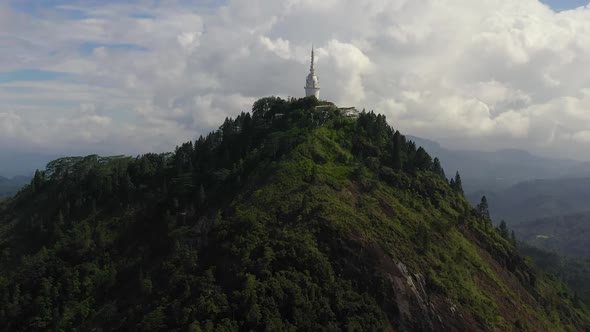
(294, 217)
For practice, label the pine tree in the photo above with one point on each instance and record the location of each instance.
(37, 181)
(483, 208)
(422, 161)
(202, 195)
(437, 168)
(458, 184)
(503, 229)
(397, 151)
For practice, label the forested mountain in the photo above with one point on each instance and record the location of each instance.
(566, 235)
(492, 171)
(574, 271)
(289, 218)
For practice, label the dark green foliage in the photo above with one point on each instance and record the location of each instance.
(437, 168)
(573, 271)
(483, 208)
(423, 160)
(457, 184)
(397, 151)
(566, 235)
(503, 229)
(37, 181)
(292, 218)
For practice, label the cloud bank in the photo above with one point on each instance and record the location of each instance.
(144, 77)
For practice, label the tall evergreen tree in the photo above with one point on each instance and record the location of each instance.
(503, 229)
(201, 195)
(397, 151)
(437, 168)
(422, 160)
(483, 208)
(458, 184)
(37, 180)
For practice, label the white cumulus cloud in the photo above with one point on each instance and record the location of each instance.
(473, 74)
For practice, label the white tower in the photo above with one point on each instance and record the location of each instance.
(312, 86)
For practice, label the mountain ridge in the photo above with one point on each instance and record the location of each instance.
(492, 171)
(304, 221)
(536, 199)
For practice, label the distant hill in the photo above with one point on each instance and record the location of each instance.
(287, 219)
(9, 187)
(498, 170)
(537, 199)
(565, 235)
(21, 163)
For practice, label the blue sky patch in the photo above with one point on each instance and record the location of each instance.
(31, 75)
(142, 15)
(40, 8)
(560, 5)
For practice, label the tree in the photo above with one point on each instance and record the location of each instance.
(483, 208)
(503, 229)
(422, 237)
(201, 195)
(397, 151)
(437, 168)
(457, 184)
(513, 238)
(422, 161)
(37, 181)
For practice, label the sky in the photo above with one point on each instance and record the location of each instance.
(112, 77)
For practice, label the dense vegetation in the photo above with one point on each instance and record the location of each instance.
(573, 271)
(289, 218)
(566, 235)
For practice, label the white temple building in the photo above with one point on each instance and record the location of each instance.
(312, 85)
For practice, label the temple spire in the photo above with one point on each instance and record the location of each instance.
(312, 86)
(311, 69)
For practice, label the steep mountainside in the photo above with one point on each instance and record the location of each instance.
(292, 218)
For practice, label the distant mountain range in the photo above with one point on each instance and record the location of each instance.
(9, 187)
(17, 168)
(19, 163)
(566, 235)
(537, 199)
(484, 171)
